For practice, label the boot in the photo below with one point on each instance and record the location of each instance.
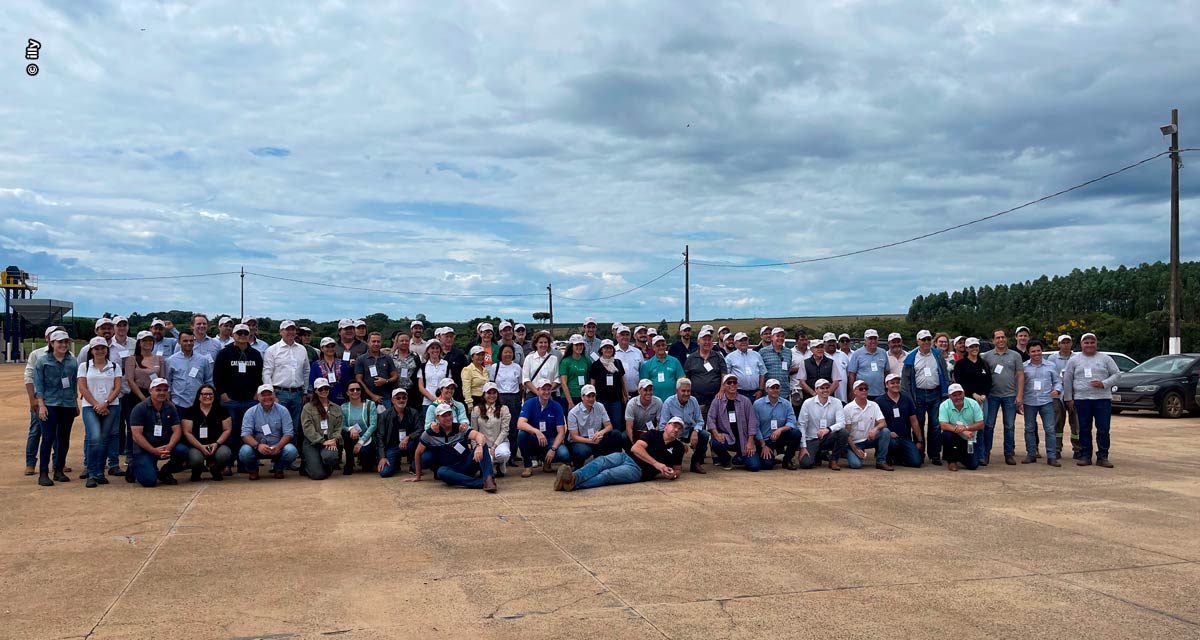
(44, 480)
(196, 475)
(59, 476)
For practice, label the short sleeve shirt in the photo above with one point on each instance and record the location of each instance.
(668, 453)
(150, 420)
(207, 428)
(545, 419)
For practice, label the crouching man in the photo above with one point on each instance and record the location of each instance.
(156, 431)
(457, 465)
(658, 452)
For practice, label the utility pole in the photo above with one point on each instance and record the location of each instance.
(243, 307)
(550, 294)
(1175, 340)
(687, 286)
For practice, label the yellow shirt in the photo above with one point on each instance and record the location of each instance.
(473, 380)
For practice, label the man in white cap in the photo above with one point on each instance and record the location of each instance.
(304, 336)
(1043, 385)
(521, 337)
(507, 336)
(683, 345)
(348, 347)
(869, 363)
(417, 342)
(732, 426)
(543, 429)
(777, 431)
(154, 426)
(1062, 414)
(104, 329)
(121, 339)
(204, 346)
(662, 369)
(961, 420)
(896, 353)
(163, 345)
(237, 372)
(456, 359)
(589, 429)
(186, 370)
(1007, 393)
(817, 366)
(900, 415)
(823, 424)
(399, 432)
(681, 404)
(840, 354)
(705, 368)
(1022, 335)
(748, 366)
(225, 327)
(925, 381)
(867, 429)
(34, 439)
(267, 432)
(592, 348)
(657, 452)
(1087, 387)
(642, 412)
(800, 353)
(460, 455)
(777, 361)
(641, 340)
(255, 341)
(629, 355)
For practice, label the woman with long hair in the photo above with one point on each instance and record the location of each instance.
(359, 419)
(336, 371)
(475, 375)
(491, 418)
(208, 431)
(55, 381)
(430, 374)
(573, 371)
(99, 382)
(321, 420)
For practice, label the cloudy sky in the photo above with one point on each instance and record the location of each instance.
(480, 148)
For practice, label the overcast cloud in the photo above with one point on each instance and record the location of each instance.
(475, 148)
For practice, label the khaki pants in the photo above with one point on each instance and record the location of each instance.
(1061, 415)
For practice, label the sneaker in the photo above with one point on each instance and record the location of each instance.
(728, 466)
(29, 471)
(91, 483)
(166, 478)
(1028, 459)
(527, 472)
(115, 471)
(565, 480)
(101, 480)
(1103, 462)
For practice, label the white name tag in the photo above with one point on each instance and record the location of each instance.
(158, 431)
(927, 372)
(346, 356)
(774, 423)
(662, 377)
(649, 426)
(998, 370)
(874, 366)
(732, 417)
(381, 409)
(608, 380)
(708, 366)
(580, 380)
(404, 372)
(824, 423)
(373, 370)
(895, 412)
(1037, 385)
(541, 425)
(332, 377)
(242, 366)
(158, 352)
(459, 448)
(595, 357)
(203, 432)
(193, 371)
(1087, 372)
(266, 429)
(66, 383)
(325, 426)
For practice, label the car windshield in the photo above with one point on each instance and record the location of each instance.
(1165, 364)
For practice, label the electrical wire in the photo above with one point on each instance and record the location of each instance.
(640, 286)
(923, 236)
(124, 278)
(431, 294)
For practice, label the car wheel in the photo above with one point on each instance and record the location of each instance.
(1171, 405)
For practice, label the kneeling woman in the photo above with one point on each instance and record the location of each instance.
(321, 421)
(491, 418)
(359, 419)
(207, 428)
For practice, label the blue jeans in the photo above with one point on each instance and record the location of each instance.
(56, 435)
(237, 411)
(1100, 412)
(391, 457)
(249, 456)
(581, 451)
(929, 403)
(701, 449)
(614, 468)
(880, 443)
(293, 401)
(33, 440)
(531, 450)
(101, 434)
(145, 464)
(463, 473)
(994, 404)
(787, 443)
(905, 452)
(1046, 411)
(957, 451)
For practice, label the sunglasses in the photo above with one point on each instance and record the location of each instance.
(323, 390)
(926, 339)
(353, 390)
(730, 382)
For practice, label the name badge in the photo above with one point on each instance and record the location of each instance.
(927, 372)
(895, 412)
(158, 352)
(332, 377)
(1037, 385)
(381, 409)
(595, 357)
(325, 426)
(203, 432)
(732, 417)
(774, 423)
(345, 356)
(824, 423)
(608, 380)
(404, 372)
(242, 366)
(373, 370)
(266, 429)
(541, 425)
(662, 377)
(998, 370)
(874, 366)
(708, 366)
(193, 371)
(1087, 372)
(580, 380)
(459, 448)
(66, 383)
(158, 431)
(649, 425)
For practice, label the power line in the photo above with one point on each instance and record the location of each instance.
(431, 294)
(125, 278)
(939, 231)
(640, 286)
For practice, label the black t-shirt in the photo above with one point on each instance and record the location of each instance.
(975, 377)
(606, 393)
(211, 423)
(150, 419)
(670, 454)
(897, 414)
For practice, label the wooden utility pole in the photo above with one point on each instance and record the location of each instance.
(687, 286)
(550, 295)
(1175, 341)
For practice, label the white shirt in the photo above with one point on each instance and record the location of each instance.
(860, 420)
(286, 366)
(815, 416)
(100, 381)
(795, 377)
(506, 376)
(432, 373)
(548, 371)
(418, 347)
(33, 356)
(631, 359)
(841, 361)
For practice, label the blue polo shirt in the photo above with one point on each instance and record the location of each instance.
(897, 414)
(546, 419)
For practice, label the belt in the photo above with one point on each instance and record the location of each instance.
(289, 389)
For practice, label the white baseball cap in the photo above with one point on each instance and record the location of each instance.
(265, 387)
(443, 408)
(327, 340)
(772, 382)
(707, 327)
(118, 319)
(587, 390)
(623, 329)
(519, 326)
(1020, 329)
(446, 382)
(416, 323)
(778, 330)
(360, 323)
(543, 382)
(447, 329)
(320, 383)
(652, 331)
(644, 383)
(705, 332)
(97, 342)
(955, 388)
(727, 377)
(723, 330)
(894, 336)
(344, 323)
(1064, 337)
(639, 328)
(956, 339)
(142, 335)
(658, 339)
(100, 322)
(224, 321)
(505, 324)
(159, 382)
(249, 319)
(51, 329)
(870, 333)
(677, 419)
(59, 335)
(889, 378)
(741, 335)
(287, 324)
(829, 337)
(241, 327)
(588, 320)
(491, 386)
(862, 383)
(685, 327)
(157, 323)
(924, 333)
(1086, 336)
(972, 342)
(476, 350)
(399, 390)
(485, 326)
(607, 343)
(843, 335)
(576, 339)
(821, 382)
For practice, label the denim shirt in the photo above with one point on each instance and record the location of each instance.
(1046, 377)
(49, 375)
(277, 419)
(780, 412)
(690, 414)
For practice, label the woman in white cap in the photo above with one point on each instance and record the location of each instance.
(487, 341)
(973, 374)
(446, 389)
(475, 375)
(492, 418)
(507, 375)
(55, 381)
(430, 374)
(359, 420)
(321, 420)
(607, 374)
(573, 371)
(208, 431)
(334, 370)
(99, 382)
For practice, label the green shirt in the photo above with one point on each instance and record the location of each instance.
(663, 374)
(576, 371)
(970, 414)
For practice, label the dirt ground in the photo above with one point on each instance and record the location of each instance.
(1026, 551)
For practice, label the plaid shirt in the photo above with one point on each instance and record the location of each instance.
(778, 367)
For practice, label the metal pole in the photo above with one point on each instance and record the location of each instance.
(550, 294)
(1176, 342)
(243, 307)
(687, 286)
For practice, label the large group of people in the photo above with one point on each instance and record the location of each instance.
(606, 412)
